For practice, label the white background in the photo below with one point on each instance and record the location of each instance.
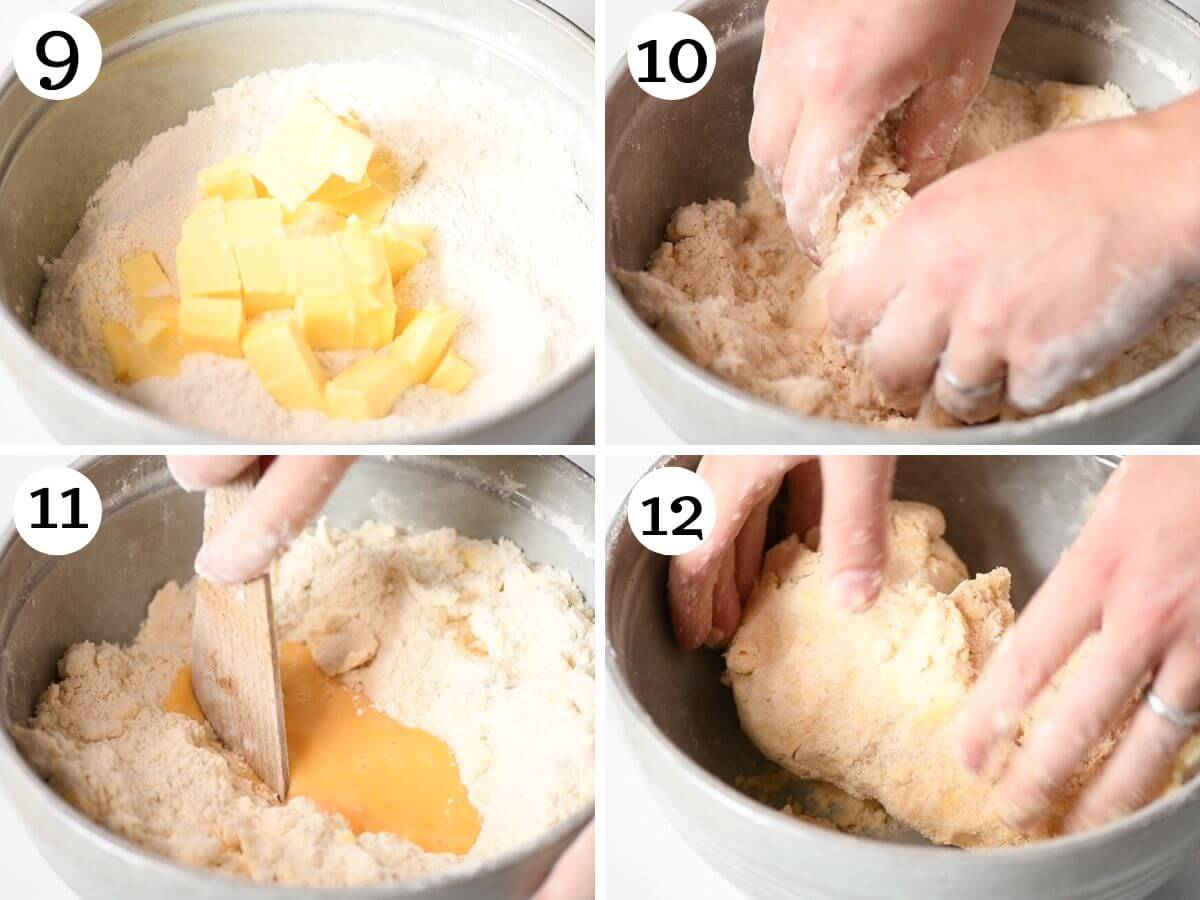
(21, 426)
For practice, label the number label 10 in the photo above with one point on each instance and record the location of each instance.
(672, 56)
(671, 511)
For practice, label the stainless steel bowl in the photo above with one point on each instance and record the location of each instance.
(166, 57)
(150, 533)
(663, 155)
(683, 728)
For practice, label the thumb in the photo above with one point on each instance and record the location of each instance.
(854, 526)
(933, 121)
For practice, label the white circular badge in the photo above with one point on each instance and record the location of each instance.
(57, 510)
(672, 56)
(671, 511)
(57, 55)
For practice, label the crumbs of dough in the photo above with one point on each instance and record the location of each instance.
(462, 638)
(730, 290)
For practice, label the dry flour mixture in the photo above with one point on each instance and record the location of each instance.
(730, 290)
(464, 639)
(494, 177)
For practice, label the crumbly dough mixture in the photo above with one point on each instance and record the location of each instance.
(462, 638)
(869, 702)
(730, 290)
(491, 173)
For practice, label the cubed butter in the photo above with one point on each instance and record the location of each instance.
(268, 281)
(144, 277)
(327, 323)
(163, 309)
(424, 341)
(453, 374)
(206, 223)
(403, 247)
(211, 325)
(260, 219)
(309, 146)
(155, 351)
(365, 256)
(320, 266)
(284, 362)
(404, 316)
(230, 180)
(313, 219)
(368, 389)
(208, 270)
(374, 317)
(118, 341)
(370, 202)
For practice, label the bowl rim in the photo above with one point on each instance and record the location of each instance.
(636, 337)
(116, 408)
(67, 817)
(641, 726)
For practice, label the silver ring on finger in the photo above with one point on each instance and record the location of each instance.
(1172, 713)
(970, 391)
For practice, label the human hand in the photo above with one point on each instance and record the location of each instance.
(291, 491)
(1130, 577)
(1029, 270)
(831, 72)
(708, 586)
(574, 875)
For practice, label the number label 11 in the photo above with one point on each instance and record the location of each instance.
(57, 510)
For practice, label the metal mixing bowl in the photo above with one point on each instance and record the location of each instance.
(166, 57)
(681, 722)
(150, 533)
(662, 155)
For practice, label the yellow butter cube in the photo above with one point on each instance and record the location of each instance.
(253, 220)
(368, 389)
(313, 219)
(309, 146)
(370, 202)
(208, 270)
(284, 363)
(206, 223)
(164, 309)
(424, 341)
(453, 374)
(155, 351)
(404, 249)
(337, 188)
(365, 255)
(404, 316)
(118, 341)
(144, 277)
(327, 323)
(230, 180)
(268, 281)
(319, 265)
(211, 325)
(374, 316)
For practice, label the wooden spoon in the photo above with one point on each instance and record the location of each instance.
(235, 659)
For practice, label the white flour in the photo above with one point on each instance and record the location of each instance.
(462, 638)
(492, 174)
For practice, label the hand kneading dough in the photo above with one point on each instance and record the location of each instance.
(869, 701)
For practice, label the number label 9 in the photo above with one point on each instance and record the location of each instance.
(672, 56)
(671, 511)
(57, 56)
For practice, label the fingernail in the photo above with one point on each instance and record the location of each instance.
(856, 589)
(188, 485)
